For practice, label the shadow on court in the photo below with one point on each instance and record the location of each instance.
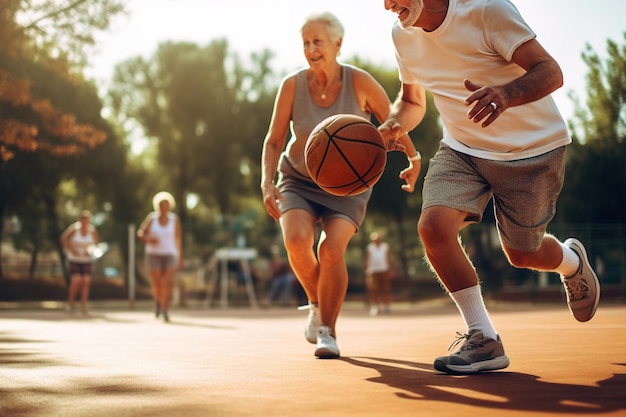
(246, 362)
(502, 391)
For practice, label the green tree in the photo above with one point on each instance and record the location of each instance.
(50, 124)
(31, 182)
(595, 185)
(204, 113)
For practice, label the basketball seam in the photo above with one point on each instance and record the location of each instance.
(344, 156)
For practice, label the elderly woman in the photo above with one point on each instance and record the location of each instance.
(304, 99)
(161, 232)
(78, 241)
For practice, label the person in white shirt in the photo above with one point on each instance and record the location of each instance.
(503, 140)
(78, 242)
(378, 274)
(161, 232)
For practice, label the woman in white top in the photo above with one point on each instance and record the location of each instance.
(161, 232)
(78, 241)
(378, 274)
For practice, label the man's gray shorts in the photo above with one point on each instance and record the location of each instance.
(524, 191)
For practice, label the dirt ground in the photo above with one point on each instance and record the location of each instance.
(119, 362)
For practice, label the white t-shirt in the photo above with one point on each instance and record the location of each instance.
(476, 41)
(377, 260)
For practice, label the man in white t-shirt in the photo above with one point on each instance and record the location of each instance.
(503, 139)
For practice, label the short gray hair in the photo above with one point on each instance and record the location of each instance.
(334, 26)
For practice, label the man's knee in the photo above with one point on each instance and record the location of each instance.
(519, 259)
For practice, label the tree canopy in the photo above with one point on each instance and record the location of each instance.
(595, 186)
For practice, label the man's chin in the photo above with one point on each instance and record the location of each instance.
(408, 17)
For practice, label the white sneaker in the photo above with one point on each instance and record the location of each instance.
(313, 322)
(326, 344)
(583, 288)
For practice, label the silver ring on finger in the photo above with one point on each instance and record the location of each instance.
(493, 106)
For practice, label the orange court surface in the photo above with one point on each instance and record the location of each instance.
(121, 362)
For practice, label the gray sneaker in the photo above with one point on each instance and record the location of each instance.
(313, 322)
(476, 354)
(582, 288)
(326, 344)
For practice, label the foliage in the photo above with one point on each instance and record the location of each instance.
(51, 131)
(190, 101)
(595, 185)
(45, 36)
(58, 32)
(32, 124)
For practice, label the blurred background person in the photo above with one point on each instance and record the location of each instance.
(161, 232)
(378, 274)
(283, 279)
(78, 241)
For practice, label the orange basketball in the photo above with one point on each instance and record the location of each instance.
(345, 155)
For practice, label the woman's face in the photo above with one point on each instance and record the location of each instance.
(164, 206)
(319, 48)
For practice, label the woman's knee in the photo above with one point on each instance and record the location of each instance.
(297, 240)
(332, 250)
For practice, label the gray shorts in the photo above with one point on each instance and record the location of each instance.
(301, 192)
(160, 262)
(524, 191)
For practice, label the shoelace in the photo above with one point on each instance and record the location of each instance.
(576, 288)
(312, 309)
(467, 345)
(459, 338)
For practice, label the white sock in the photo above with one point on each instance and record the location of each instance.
(570, 263)
(470, 303)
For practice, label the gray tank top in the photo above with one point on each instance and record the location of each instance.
(306, 114)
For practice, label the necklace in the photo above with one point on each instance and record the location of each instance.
(319, 89)
(323, 93)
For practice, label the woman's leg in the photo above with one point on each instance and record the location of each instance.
(85, 283)
(333, 272)
(298, 228)
(73, 290)
(167, 285)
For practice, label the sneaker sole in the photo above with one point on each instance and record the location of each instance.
(324, 353)
(583, 258)
(500, 362)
